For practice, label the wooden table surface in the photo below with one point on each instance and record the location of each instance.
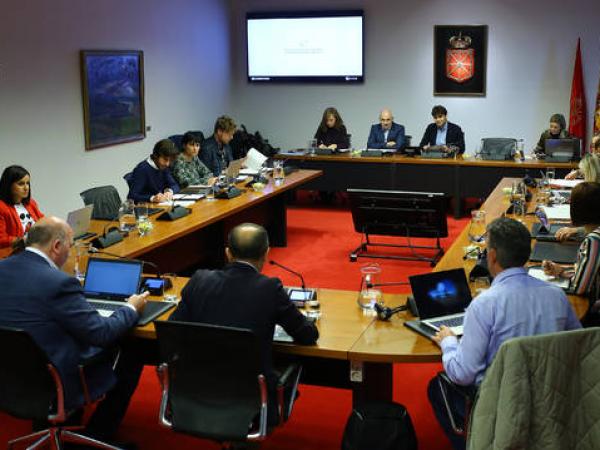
(346, 332)
(460, 160)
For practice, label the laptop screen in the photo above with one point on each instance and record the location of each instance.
(440, 293)
(113, 279)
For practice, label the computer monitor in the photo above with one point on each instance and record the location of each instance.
(399, 213)
(562, 149)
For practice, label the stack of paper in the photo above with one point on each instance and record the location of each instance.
(538, 272)
(558, 212)
(567, 184)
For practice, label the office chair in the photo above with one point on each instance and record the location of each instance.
(176, 139)
(467, 392)
(212, 385)
(499, 149)
(31, 389)
(106, 201)
(199, 134)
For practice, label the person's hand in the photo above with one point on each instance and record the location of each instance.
(564, 233)
(573, 174)
(426, 146)
(443, 333)
(391, 143)
(552, 269)
(211, 181)
(158, 198)
(139, 301)
(322, 146)
(596, 140)
(168, 195)
(333, 146)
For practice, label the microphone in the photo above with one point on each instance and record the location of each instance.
(109, 236)
(299, 275)
(394, 283)
(385, 312)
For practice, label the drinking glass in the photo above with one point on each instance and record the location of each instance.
(312, 146)
(477, 228)
(170, 295)
(81, 251)
(550, 174)
(141, 211)
(278, 172)
(144, 226)
(517, 199)
(369, 293)
(127, 216)
(481, 284)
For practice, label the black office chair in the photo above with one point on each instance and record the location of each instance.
(31, 389)
(467, 392)
(176, 139)
(106, 201)
(212, 385)
(499, 149)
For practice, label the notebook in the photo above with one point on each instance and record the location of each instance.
(110, 282)
(440, 299)
(79, 221)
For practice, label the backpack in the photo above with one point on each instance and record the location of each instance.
(381, 426)
(243, 141)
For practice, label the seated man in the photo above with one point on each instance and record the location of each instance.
(443, 133)
(49, 304)
(240, 296)
(515, 305)
(387, 134)
(151, 180)
(216, 152)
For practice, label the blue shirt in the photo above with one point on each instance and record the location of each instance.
(515, 305)
(440, 137)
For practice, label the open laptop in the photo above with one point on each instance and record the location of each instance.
(440, 299)
(79, 221)
(562, 150)
(110, 282)
(233, 169)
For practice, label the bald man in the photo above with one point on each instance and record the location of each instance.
(49, 304)
(387, 134)
(240, 296)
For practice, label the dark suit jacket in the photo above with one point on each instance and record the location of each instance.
(211, 155)
(454, 136)
(337, 136)
(377, 138)
(49, 305)
(146, 181)
(239, 296)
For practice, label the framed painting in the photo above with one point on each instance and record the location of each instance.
(113, 97)
(459, 60)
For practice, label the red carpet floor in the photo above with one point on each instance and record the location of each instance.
(319, 241)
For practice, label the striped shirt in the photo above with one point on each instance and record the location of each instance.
(586, 279)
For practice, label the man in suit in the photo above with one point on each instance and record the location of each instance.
(216, 152)
(443, 133)
(240, 296)
(387, 134)
(49, 304)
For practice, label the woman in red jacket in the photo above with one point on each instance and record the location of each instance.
(18, 211)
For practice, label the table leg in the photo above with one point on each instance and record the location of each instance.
(376, 384)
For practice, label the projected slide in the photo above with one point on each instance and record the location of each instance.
(305, 48)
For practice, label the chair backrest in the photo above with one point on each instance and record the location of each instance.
(106, 201)
(213, 378)
(498, 148)
(176, 139)
(27, 390)
(199, 134)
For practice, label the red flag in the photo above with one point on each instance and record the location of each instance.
(577, 113)
(597, 113)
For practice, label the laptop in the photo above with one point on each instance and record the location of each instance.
(562, 150)
(110, 282)
(79, 221)
(196, 189)
(233, 169)
(440, 299)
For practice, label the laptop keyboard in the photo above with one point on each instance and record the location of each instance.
(105, 309)
(450, 322)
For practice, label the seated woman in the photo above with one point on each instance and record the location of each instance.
(188, 169)
(332, 133)
(585, 275)
(18, 211)
(556, 130)
(151, 180)
(589, 170)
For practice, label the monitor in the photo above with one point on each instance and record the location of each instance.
(305, 46)
(399, 213)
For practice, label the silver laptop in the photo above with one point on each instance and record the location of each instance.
(79, 220)
(233, 169)
(441, 299)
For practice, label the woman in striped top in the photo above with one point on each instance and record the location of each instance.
(585, 275)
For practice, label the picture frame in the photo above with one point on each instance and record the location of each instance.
(459, 60)
(113, 97)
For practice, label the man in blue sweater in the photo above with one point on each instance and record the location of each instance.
(216, 152)
(151, 180)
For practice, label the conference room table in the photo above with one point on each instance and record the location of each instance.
(198, 239)
(357, 351)
(461, 177)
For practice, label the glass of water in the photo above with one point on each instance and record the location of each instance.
(477, 228)
(312, 146)
(170, 294)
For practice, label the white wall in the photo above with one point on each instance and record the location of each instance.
(187, 79)
(531, 52)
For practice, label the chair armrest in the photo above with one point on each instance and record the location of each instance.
(289, 371)
(289, 378)
(102, 357)
(467, 392)
(163, 377)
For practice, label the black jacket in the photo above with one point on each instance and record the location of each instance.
(240, 296)
(454, 136)
(335, 136)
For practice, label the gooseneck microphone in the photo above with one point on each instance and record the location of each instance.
(287, 269)
(109, 236)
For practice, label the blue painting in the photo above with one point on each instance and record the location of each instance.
(113, 97)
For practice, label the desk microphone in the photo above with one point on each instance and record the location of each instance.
(110, 236)
(299, 275)
(385, 312)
